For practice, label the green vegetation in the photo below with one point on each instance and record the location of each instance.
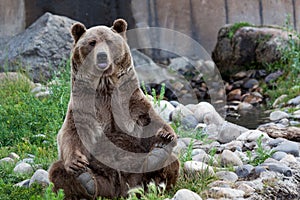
(236, 27)
(261, 154)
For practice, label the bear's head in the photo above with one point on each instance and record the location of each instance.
(100, 51)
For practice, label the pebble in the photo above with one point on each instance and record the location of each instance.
(194, 166)
(40, 177)
(185, 194)
(189, 122)
(288, 147)
(227, 176)
(229, 158)
(23, 168)
(219, 192)
(220, 183)
(229, 132)
(14, 156)
(6, 160)
(24, 183)
(295, 101)
(250, 83)
(244, 171)
(281, 168)
(278, 115)
(246, 188)
(180, 112)
(164, 109)
(279, 155)
(244, 106)
(289, 159)
(252, 135)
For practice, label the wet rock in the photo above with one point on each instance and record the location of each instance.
(40, 177)
(193, 167)
(189, 122)
(288, 147)
(227, 176)
(185, 194)
(234, 95)
(23, 168)
(244, 171)
(228, 158)
(243, 106)
(250, 83)
(24, 183)
(219, 192)
(295, 101)
(252, 98)
(278, 115)
(279, 155)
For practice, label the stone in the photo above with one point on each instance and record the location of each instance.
(250, 83)
(219, 192)
(164, 109)
(284, 122)
(288, 147)
(193, 167)
(6, 160)
(289, 159)
(279, 155)
(227, 176)
(271, 78)
(246, 188)
(244, 171)
(196, 152)
(41, 49)
(180, 112)
(14, 76)
(281, 168)
(204, 157)
(233, 145)
(220, 183)
(278, 115)
(234, 95)
(40, 177)
(14, 156)
(179, 148)
(229, 132)
(229, 158)
(244, 106)
(185, 194)
(189, 122)
(23, 168)
(279, 100)
(275, 131)
(252, 135)
(24, 183)
(295, 101)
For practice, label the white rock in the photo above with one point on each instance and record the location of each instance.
(252, 135)
(164, 109)
(278, 115)
(244, 106)
(246, 188)
(185, 194)
(229, 132)
(14, 156)
(195, 166)
(23, 168)
(288, 159)
(180, 112)
(229, 158)
(219, 192)
(24, 183)
(40, 177)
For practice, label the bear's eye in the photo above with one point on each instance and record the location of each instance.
(92, 43)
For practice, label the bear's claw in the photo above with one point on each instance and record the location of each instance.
(88, 183)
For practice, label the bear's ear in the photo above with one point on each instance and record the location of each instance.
(120, 26)
(77, 30)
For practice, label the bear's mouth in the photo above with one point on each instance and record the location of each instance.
(102, 65)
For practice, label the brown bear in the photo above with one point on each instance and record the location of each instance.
(112, 139)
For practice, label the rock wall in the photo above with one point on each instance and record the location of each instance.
(199, 19)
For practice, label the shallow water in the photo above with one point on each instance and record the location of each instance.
(250, 119)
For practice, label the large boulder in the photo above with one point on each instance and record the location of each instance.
(248, 46)
(41, 49)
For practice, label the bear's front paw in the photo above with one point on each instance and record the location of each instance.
(77, 163)
(167, 134)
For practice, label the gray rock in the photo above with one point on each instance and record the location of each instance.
(24, 183)
(244, 171)
(250, 83)
(40, 177)
(227, 176)
(180, 112)
(289, 160)
(27, 160)
(252, 135)
(276, 142)
(204, 157)
(273, 76)
(219, 192)
(164, 109)
(229, 158)
(23, 168)
(279, 155)
(6, 160)
(246, 188)
(259, 169)
(42, 47)
(229, 132)
(243, 106)
(174, 103)
(279, 100)
(278, 115)
(295, 101)
(198, 151)
(189, 122)
(14, 156)
(288, 147)
(281, 168)
(185, 194)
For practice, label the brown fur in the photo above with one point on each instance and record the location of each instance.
(95, 95)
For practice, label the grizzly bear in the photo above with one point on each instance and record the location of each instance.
(111, 139)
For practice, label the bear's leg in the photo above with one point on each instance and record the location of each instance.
(71, 184)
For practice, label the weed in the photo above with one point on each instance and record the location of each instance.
(235, 27)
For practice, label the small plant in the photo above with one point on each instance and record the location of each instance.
(261, 153)
(154, 192)
(156, 98)
(235, 27)
(50, 195)
(187, 155)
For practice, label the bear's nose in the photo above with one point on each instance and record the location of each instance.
(102, 57)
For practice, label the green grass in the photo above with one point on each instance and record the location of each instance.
(236, 27)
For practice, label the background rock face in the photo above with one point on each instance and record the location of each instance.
(40, 49)
(249, 46)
